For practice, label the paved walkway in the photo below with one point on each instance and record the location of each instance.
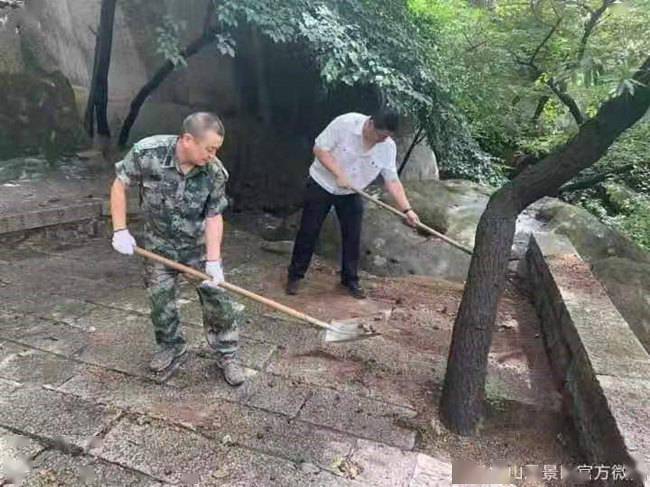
(78, 407)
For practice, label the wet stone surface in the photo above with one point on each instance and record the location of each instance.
(76, 338)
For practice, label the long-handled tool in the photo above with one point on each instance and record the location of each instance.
(333, 332)
(421, 226)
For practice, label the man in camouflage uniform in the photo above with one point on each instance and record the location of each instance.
(182, 191)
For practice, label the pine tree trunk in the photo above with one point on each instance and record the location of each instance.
(464, 386)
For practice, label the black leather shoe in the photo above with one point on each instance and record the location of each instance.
(292, 286)
(355, 290)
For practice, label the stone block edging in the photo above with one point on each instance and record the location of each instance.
(603, 368)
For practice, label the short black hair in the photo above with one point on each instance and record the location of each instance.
(386, 118)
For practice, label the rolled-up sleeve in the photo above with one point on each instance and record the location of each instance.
(388, 163)
(217, 201)
(328, 139)
(128, 170)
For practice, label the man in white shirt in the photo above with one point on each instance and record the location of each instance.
(350, 153)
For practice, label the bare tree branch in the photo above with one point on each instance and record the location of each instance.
(591, 24)
(555, 85)
(567, 100)
(593, 180)
(206, 38)
(545, 40)
(543, 100)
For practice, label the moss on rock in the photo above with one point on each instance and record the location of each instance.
(38, 114)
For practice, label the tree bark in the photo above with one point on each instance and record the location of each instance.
(568, 101)
(464, 385)
(264, 110)
(168, 67)
(98, 96)
(541, 104)
(594, 18)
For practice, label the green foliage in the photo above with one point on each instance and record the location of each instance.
(225, 45)
(169, 45)
(505, 67)
(499, 63)
(623, 200)
(632, 148)
(471, 63)
(626, 211)
(376, 43)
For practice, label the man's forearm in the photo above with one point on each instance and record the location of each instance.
(327, 159)
(213, 237)
(118, 205)
(396, 190)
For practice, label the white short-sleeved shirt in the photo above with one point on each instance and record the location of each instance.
(343, 137)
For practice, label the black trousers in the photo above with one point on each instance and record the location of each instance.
(317, 204)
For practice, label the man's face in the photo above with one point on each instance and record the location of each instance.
(201, 150)
(378, 135)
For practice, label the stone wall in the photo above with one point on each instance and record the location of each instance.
(604, 369)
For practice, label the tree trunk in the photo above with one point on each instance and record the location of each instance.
(168, 67)
(464, 385)
(263, 93)
(541, 104)
(568, 101)
(98, 96)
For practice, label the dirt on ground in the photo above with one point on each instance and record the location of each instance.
(524, 422)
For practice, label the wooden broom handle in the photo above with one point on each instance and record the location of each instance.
(420, 225)
(235, 289)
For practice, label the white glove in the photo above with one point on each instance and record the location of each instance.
(214, 269)
(124, 242)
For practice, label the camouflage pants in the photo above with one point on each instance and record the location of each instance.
(221, 314)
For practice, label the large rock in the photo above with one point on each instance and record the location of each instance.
(622, 266)
(59, 35)
(422, 164)
(591, 238)
(37, 114)
(628, 284)
(454, 207)
(389, 247)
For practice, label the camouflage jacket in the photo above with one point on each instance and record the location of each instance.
(175, 204)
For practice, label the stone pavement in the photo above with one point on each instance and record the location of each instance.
(78, 407)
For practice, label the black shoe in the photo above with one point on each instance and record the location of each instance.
(292, 286)
(355, 290)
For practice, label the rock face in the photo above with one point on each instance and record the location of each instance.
(389, 247)
(621, 265)
(593, 240)
(45, 36)
(422, 164)
(37, 114)
(628, 285)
